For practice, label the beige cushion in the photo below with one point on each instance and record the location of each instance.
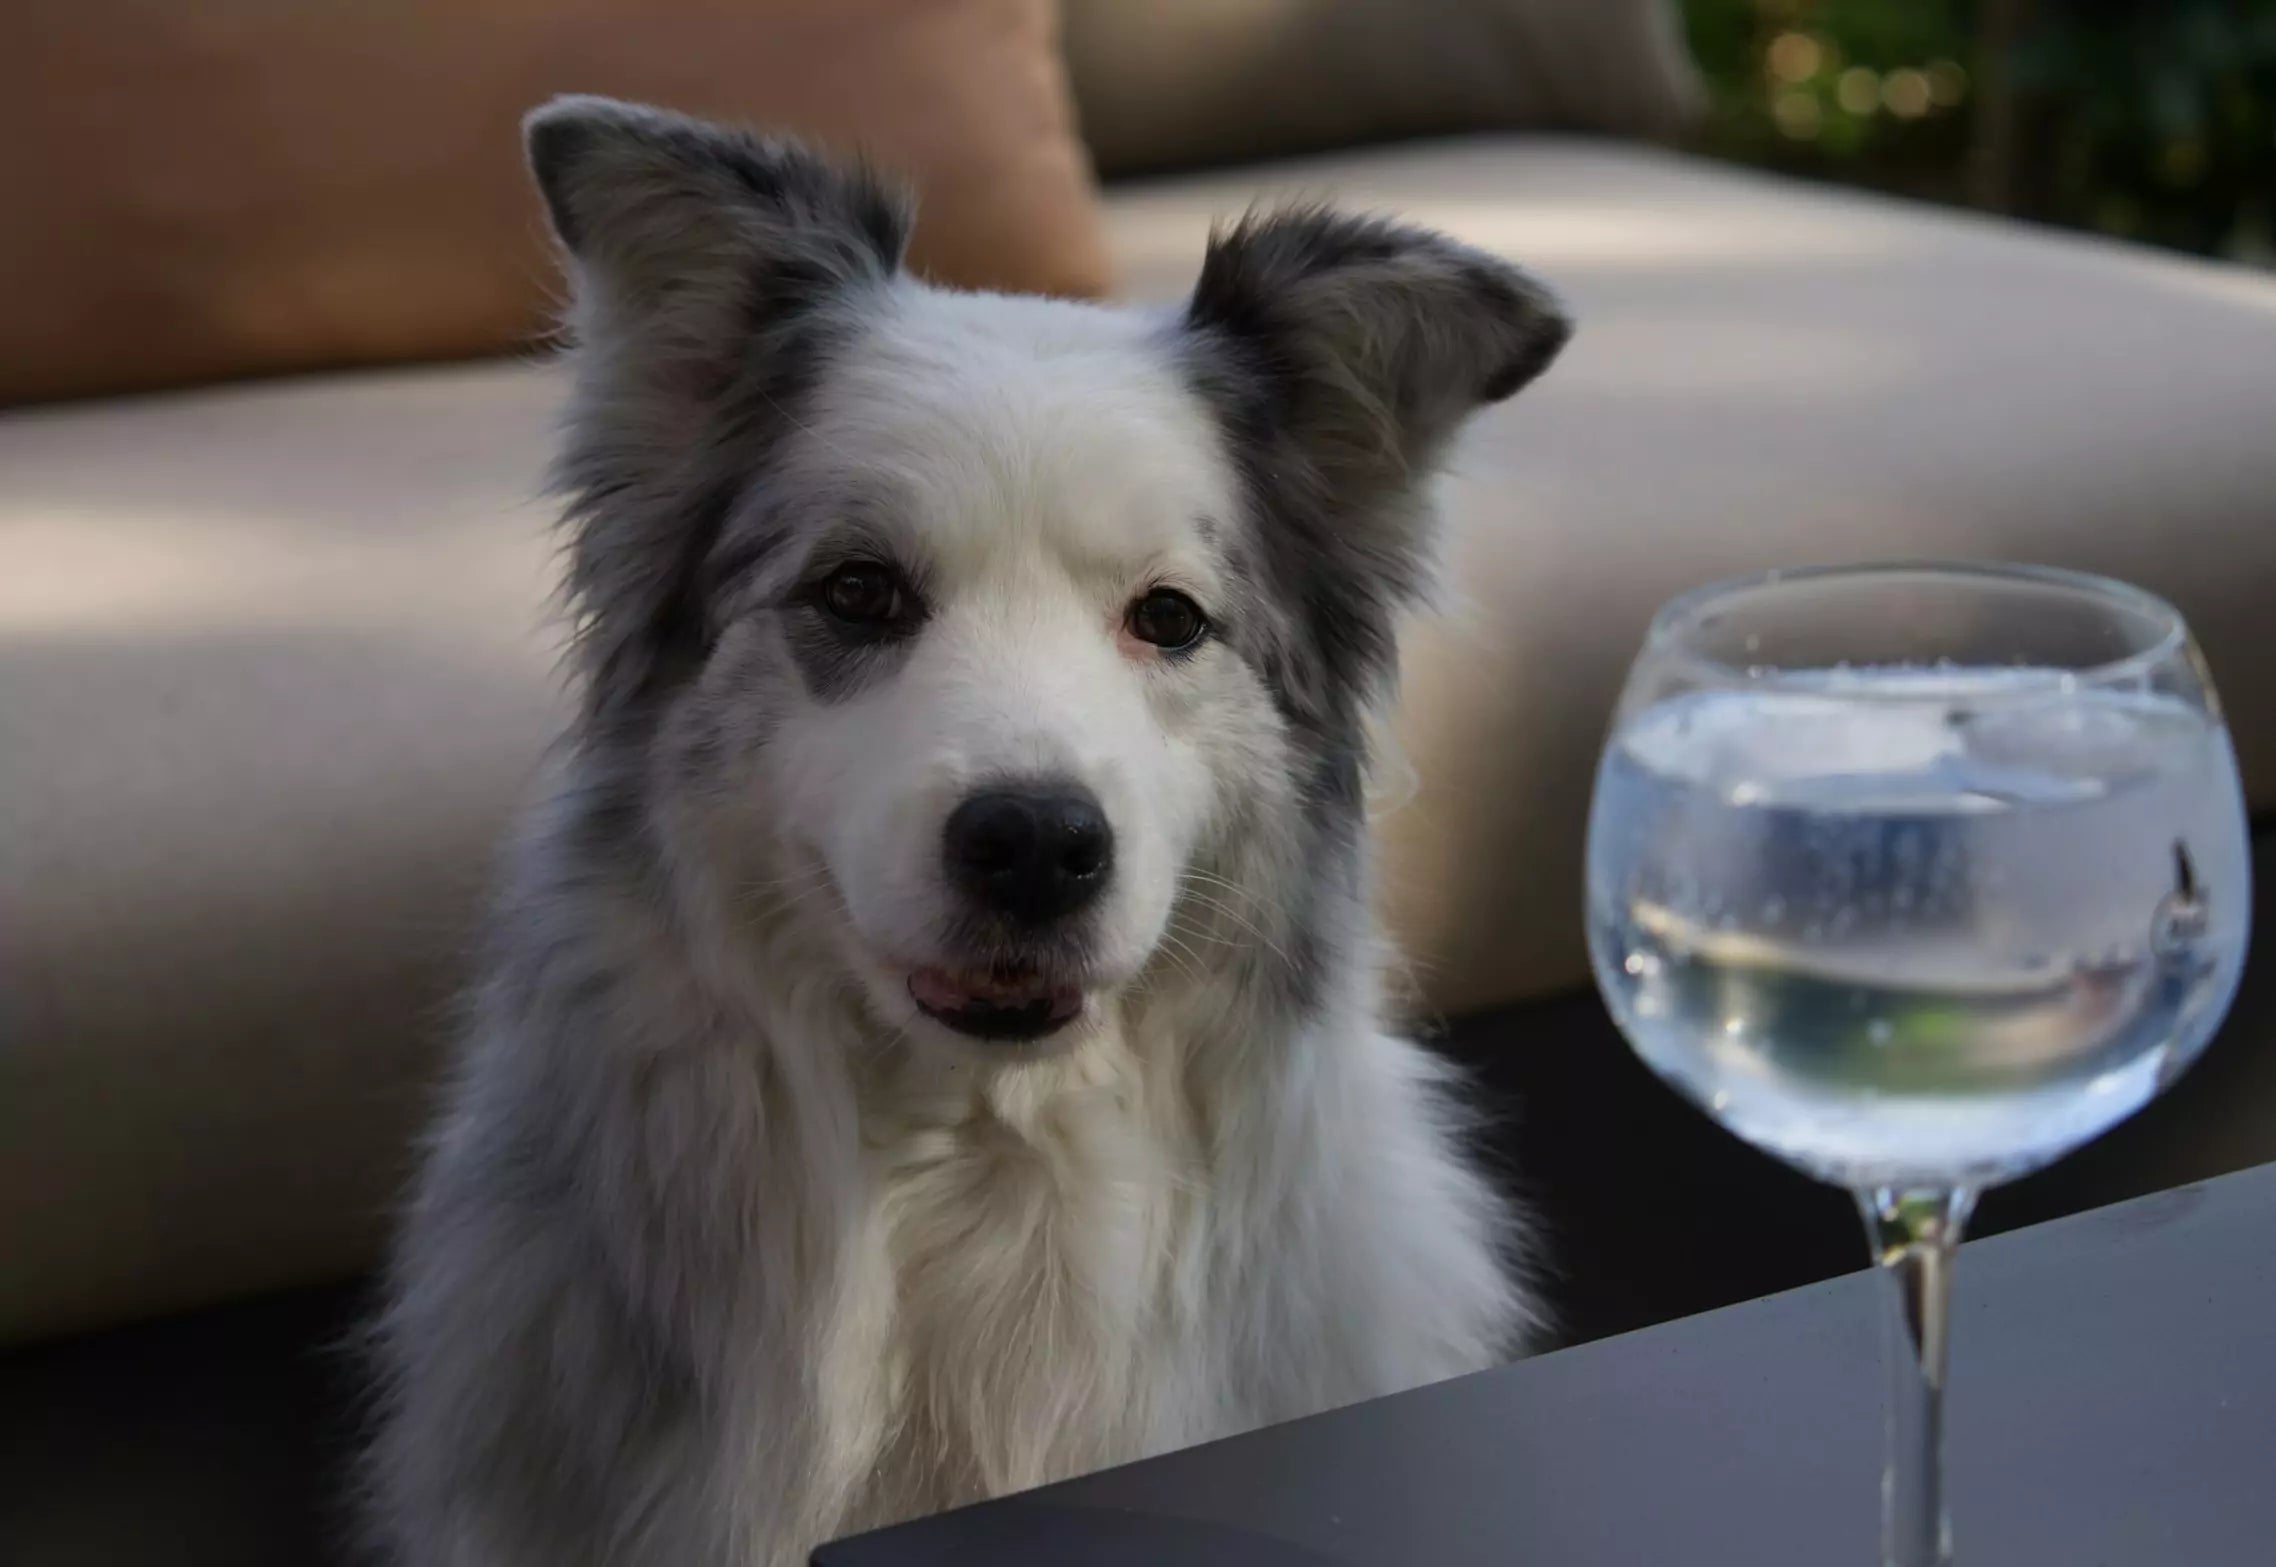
(234, 187)
(1171, 84)
(270, 681)
(273, 663)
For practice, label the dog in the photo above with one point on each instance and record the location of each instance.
(932, 1036)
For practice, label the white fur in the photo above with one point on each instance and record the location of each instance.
(1056, 468)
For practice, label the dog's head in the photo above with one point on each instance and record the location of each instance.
(989, 630)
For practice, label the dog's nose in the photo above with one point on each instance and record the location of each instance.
(1035, 852)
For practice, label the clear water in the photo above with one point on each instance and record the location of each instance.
(1934, 940)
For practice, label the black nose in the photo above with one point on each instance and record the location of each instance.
(1034, 852)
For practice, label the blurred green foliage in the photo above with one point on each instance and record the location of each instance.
(2150, 119)
(1803, 84)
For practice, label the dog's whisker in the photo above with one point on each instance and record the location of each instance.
(799, 876)
(1184, 959)
(785, 896)
(772, 898)
(1242, 921)
(1198, 873)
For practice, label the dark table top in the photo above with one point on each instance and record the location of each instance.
(2113, 1403)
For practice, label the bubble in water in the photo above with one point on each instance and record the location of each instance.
(1754, 643)
(1721, 1101)
(1641, 964)
(1880, 1031)
(1734, 1026)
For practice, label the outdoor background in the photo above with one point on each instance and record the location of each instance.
(2153, 120)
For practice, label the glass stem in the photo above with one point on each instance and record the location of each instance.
(1915, 1235)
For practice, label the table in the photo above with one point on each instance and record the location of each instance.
(2113, 1404)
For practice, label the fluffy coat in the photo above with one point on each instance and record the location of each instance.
(722, 1247)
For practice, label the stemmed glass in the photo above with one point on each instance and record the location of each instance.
(1917, 877)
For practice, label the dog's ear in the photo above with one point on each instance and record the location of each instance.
(1341, 353)
(655, 208)
(703, 261)
(1371, 341)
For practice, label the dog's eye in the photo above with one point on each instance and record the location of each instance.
(1167, 619)
(864, 593)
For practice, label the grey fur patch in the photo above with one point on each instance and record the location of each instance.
(835, 666)
(714, 272)
(1340, 355)
(835, 662)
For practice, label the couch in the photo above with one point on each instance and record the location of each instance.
(269, 690)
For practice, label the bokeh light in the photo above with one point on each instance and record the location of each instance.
(1907, 93)
(1795, 57)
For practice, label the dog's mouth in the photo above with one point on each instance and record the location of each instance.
(1004, 1003)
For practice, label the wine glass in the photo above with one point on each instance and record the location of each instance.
(1918, 877)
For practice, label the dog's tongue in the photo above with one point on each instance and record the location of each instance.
(943, 991)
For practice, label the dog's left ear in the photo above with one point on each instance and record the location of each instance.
(1341, 353)
(1368, 342)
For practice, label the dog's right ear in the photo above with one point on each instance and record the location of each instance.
(655, 208)
(702, 261)
(648, 199)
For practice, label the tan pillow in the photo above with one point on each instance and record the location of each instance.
(204, 188)
(1164, 84)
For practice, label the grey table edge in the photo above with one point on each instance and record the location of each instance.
(2113, 1404)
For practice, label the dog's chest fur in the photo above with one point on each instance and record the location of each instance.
(1031, 1218)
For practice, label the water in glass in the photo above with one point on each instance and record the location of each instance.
(1918, 927)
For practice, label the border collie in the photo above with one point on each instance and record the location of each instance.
(932, 1040)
